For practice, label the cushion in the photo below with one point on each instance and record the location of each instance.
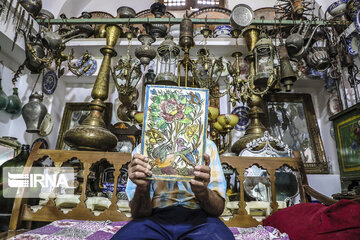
(318, 222)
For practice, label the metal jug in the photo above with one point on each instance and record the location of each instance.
(34, 113)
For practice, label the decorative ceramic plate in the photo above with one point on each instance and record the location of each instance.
(49, 83)
(45, 144)
(222, 31)
(91, 70)
(337, 8)
(357, 20)
(46, 126)
(333, 105)
(244, 120)
(353, 43)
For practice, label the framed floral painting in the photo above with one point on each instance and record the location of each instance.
(347, 137)
(174, 131)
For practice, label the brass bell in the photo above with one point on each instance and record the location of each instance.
(287, 74)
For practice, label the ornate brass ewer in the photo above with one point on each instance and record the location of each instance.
(249, 94)
(92, 133)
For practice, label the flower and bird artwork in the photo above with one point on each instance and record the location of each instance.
(174, 131)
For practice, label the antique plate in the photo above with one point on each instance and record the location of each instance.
(357, 20)
(241, 16)
(352, 42)
(333, 105)
(91, 70)
(337, 8)
(45, 144)
(222, 31)
(49, 83)
(46, 126)
(243, 113)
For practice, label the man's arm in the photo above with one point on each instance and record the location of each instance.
(140, 205)
(210, 201)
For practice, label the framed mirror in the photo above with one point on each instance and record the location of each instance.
(291, 118)
(9, 148)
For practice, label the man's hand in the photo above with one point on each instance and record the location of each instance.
(199, 185)
(141, 203)
(138, 170)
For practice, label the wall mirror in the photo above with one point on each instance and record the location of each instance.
(9, 148)
(291, 118)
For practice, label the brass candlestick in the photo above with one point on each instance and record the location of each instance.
(92, 133)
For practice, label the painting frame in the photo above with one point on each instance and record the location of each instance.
(347, 137)
(174, 131)
(315, 145)
(67, 119)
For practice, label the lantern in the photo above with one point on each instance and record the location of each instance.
(167, 64)
(264, 61)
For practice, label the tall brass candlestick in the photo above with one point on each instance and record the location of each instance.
(92, 133)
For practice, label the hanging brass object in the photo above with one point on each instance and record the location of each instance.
(186, 42)
(277, 85)
(251, 35)
(126, 75)
(186, 39)
(145, 53)
(92, 133)
(264, 52)
(287, 74)
(168, 52)
(207, 71)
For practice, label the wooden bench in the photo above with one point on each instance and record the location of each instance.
(22, 213)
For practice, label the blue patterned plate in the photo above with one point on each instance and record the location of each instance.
(45, 144)
(357, 20)
(352, 42)
(49, 83)
(337, 8)
(244, 120)
(91, 70)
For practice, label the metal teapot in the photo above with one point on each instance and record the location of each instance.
(295, 41)
(54, 41)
